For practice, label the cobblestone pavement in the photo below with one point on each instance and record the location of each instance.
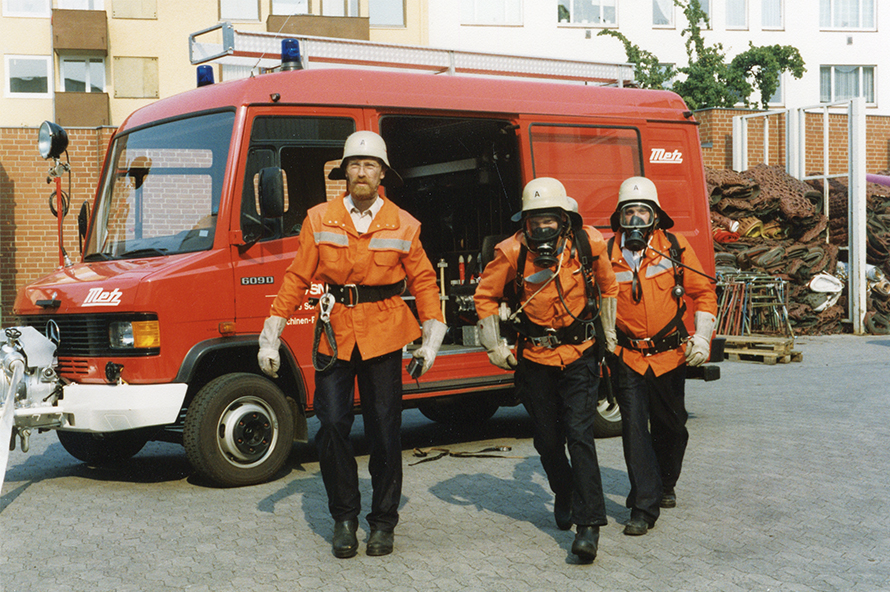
(784, 489)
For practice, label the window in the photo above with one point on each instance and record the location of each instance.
(591, 161)
(339, 7)
(736, 14)
(81, 4)
(239, 10)
(777, 99)
(290, 7)
(839, 83)
(386, 13)
(663, 13)
(491, 12)
(82, 74)
(30, 8)
(771, 14)
(847, 14)
(588, 12)
(28, 77)
(301, 147)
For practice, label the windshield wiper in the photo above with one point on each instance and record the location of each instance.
(143, 253)
(98, 257)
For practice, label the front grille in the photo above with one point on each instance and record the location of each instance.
(86, 335)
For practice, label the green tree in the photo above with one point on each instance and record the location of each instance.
(708, 80)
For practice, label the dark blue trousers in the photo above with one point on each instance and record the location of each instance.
(654, 457)
(380, 392)
(562, 404)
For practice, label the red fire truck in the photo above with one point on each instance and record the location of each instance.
(156, 325)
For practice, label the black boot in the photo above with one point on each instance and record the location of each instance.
(345, 543)
(586, 542)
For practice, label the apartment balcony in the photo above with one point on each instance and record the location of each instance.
(341, 27)
(80, 31)
(82, 109)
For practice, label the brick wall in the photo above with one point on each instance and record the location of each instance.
(716, 137)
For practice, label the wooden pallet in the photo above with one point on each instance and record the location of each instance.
(758, 344)
(762, 357)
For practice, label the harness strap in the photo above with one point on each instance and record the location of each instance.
(352, 294)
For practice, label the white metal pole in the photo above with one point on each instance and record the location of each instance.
(857, 214)
(739, 144)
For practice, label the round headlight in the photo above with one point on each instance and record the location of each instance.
(52, 140)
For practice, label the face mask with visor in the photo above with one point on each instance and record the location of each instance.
(542, 234)
(636, 227)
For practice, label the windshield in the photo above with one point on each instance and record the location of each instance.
(161, 191)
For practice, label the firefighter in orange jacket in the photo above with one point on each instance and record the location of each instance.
(653, 350)
(557, 360)
(366, 250)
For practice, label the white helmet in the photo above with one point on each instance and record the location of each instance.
(368, 144)
(543, 193)
(636, 189)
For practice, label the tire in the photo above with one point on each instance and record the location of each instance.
(106, 448)
(607, 423)
(459, 410)
(238, 430)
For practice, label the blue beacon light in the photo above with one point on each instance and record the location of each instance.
(205, 75)
(290, 55)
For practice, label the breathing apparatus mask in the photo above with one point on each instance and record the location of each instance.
(637, 219)
(544, 234)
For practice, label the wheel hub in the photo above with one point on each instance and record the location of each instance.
(247, 431)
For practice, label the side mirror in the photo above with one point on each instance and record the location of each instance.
(83, 219)
(271, 190)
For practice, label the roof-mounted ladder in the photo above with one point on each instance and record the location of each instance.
(263, 50)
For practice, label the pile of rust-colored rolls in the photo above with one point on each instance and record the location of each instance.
(766, 221)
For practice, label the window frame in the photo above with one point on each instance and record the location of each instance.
(734, 27)
(63, 60)
(240, 4)
(672, 19)
(376, 25)
(45, 13)
(832, 26)
(505, 23)
(860, 68)
(589, 25)
(781, 25)
(50, 82)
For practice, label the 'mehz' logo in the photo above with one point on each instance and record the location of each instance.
(99, 297)
(663, 156)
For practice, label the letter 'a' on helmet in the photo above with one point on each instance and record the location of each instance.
(366, 144)
(639, 189)
(543, 193)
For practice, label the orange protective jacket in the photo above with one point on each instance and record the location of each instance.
(545, 308)
(657, 307)
(332, 251)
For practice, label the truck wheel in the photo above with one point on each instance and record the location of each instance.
(459, 411)
(239, 430)
(607, 423)
(105, 448)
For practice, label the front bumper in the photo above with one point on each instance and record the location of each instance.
(107, 408)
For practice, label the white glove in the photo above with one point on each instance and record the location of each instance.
(608, 312)
(698, 348)
(499, 352)
(433, 334)
(269, 358)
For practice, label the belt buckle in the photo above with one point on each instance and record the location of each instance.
(549, 340)
(644, 346)
(350, 295)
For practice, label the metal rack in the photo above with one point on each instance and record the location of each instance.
(224, 45)
(753, 303)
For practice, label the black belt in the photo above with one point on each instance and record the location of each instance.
(648, 346)
(574, 334)
(352, 294)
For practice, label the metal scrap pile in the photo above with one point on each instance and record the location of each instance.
(766, 221)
